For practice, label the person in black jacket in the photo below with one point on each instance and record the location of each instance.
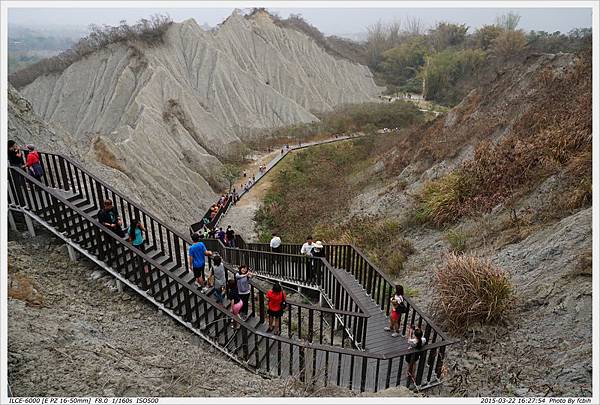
(317, 251)
(109, 217)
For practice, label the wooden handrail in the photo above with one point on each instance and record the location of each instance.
(192, 298)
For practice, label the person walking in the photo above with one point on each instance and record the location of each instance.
(275, 243)
(33, 163)
(109, 217)
(221, 235)
(230, 235)
(197, 261)
(136, 236)
(307, 250)
(242, 279)
(276, 305)
(219, 277)
(235, 301)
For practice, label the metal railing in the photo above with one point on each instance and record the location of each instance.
(67, 199)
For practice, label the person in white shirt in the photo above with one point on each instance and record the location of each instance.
(307, 250)
(307, 247)
(275, 243)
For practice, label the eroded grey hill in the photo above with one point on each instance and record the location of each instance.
(164, 117)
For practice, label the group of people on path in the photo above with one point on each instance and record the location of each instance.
(415, 337)
(30, 163)
(237, 289)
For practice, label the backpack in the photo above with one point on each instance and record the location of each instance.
(402, 308)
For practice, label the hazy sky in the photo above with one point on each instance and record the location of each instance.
(328, 20)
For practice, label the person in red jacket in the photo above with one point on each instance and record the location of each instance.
(276, 298)
(33, 164)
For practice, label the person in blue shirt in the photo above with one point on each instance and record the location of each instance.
(197, 252)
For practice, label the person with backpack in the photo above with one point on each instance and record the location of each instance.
(242, 279)
(276, 305)
(398, 308)
(109, 217)
(136, 236)
(34, 165)
(219, 279)
(197, 261)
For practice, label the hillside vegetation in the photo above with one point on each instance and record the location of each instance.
(445, 62)
(483, 214)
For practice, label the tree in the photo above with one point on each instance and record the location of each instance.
(230, 173)
(446, 35)
(402, 63)
(508, 21)
(508, 44)
(485, 35)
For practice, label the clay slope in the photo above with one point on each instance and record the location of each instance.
(168, 115)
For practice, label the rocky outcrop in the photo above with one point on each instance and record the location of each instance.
(166, 116)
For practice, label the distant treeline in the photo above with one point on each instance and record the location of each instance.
(443, 62)
(149, 31)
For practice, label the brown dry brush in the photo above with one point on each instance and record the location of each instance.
(469, 291)
(554, 136)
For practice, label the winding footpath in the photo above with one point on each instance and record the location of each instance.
(241, 215)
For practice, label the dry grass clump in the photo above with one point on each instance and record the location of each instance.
(23, 289)
(553, 136)
(471, 290)
(440, 201)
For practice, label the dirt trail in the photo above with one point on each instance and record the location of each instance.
(241, 216)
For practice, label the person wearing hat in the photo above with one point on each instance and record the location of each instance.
(317, 251)
(33, 164)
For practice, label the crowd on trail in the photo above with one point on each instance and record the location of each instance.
(234, 290)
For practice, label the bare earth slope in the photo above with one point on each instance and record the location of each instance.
(168, 115)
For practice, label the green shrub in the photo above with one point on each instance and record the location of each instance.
(457, 240)
(439, 201)
(471, 290)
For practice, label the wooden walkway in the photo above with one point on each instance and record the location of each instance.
(360, 355)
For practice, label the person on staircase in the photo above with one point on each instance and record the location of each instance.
(416, 341)
(318, 251)
(221, 236)
(398, 307)
(307, 250)
(230, 236)
(33, 164)
(220, 278)
(15, 159)
(235, 301)
(197, 261)
(242, 278)
(109, 217)
(276, 299)
(136, 236)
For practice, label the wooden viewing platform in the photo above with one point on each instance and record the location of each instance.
(344, 344)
